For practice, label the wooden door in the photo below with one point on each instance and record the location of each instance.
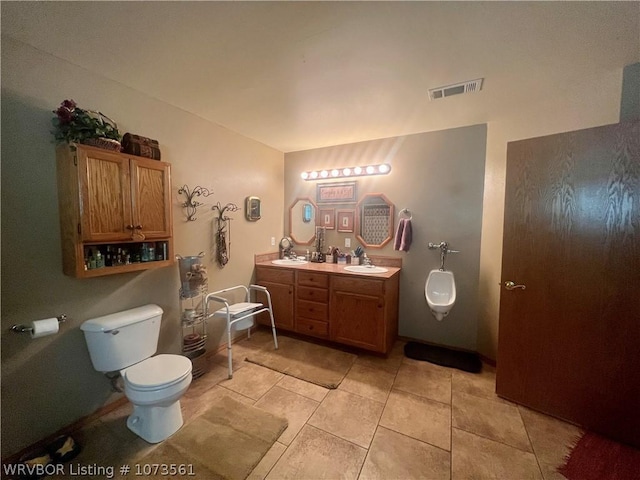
(569, 343)
(105, 204)
(151, 197)
(281, 304)
(357, 313)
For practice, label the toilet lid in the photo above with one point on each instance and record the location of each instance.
(159, 371)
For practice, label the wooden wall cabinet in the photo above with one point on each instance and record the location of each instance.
(108, 197)
(347, 309)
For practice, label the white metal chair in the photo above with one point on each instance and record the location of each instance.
(235, 313)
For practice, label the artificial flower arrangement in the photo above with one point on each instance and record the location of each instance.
(74, 124)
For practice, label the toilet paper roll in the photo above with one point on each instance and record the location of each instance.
(42, 328)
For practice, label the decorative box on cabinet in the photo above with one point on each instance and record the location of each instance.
(109, 198)
(280, 283)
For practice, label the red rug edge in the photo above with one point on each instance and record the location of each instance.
(594, 457)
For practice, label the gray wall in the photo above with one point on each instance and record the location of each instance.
(439, 176)
(630, 102)
(49, 383)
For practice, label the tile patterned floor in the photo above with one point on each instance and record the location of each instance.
(391, 418)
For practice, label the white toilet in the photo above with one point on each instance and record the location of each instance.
(440, 292)
(125, 342)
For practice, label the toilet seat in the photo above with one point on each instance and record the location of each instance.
(157, 372)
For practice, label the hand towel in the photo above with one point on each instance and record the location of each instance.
(397, 241)
(407, 236)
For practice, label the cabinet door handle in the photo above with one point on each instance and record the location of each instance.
(129, 227)
(138, 227)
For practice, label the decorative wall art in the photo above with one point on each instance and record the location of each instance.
(327, 218)
(344, 192)
(345, 220)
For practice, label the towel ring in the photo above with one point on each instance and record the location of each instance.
(406, 212)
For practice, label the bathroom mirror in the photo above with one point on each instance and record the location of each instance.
(302, 221)
(374, 222)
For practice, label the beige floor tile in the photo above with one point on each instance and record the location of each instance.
(267, 462)
(551, 439)
(418, 417)
(306, 389)
(351, 417)
(390, 363)
(424, 379)
(252, 380)
(373, 383)
(490, 419)
(316, 454)
(477, 457)
(393, 455)
(215, 375)
(481, 384)
(295, 408)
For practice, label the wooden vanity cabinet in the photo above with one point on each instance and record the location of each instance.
(281, 286)
(312, 304)
(108, 197)
(364, 312)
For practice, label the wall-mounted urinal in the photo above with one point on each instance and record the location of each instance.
(440, 292)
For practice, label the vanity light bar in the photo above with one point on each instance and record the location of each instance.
(344, 172)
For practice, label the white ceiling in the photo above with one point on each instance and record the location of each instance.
(300, 75)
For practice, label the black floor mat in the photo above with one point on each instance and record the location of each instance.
(467, 361)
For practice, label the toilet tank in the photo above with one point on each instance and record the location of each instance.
(122, 339)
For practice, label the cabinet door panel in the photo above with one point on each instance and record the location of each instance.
(281, 302)
(151, 197)
(106, 202)
(357, 320)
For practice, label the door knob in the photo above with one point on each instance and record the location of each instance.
(509, 285)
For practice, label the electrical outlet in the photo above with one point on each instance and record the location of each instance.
(273, 241)
(347, 242)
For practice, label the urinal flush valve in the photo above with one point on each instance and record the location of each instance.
(444, 249)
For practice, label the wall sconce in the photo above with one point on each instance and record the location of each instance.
(346, 172)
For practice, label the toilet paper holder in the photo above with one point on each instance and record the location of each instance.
(25, 329)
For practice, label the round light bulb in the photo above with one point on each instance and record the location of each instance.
(370, 169)
(357, 170)
(346, 172)
(384, 168)
(304, 175)
(324, 174)
(314, 174)
(335, 172)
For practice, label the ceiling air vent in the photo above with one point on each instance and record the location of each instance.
(456, 89)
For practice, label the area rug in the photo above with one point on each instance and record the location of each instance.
(317, 364)
(227, 441)
(597, 458)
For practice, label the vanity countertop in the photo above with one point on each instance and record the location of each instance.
(332, 268)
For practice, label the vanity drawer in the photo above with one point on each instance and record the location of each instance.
(311, 279)
(277, 275)
(363, 286)
(314, 310)
(312, 327)
(314, 294)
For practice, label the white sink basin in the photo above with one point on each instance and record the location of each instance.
(365, 269)
(288, 261)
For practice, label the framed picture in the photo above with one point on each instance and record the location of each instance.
(345, 220)
(327, 218)
(343, 192)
